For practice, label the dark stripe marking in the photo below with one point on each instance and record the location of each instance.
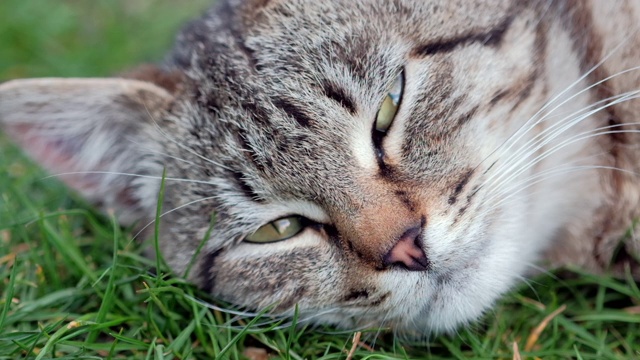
(404, 198)
(517, 93)
(245, 187)
(294, 298)
(380, 300)
(492, 38)
(462, 211)
(356, 294)
(230, 16)
(258, 113)
(339, 95)
(464, 118)
(294, 111)
(247, 150)
(460, 186)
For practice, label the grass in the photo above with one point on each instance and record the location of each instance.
(75, 286)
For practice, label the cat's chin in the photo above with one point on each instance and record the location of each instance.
(434, 304)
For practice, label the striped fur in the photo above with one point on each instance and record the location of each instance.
(265, 109)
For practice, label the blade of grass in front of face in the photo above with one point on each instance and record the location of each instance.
(156, 226)
(107, 299)
(8, 294)
(205, 238)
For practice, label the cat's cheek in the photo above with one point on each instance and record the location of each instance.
(463, 296)
(280, 275)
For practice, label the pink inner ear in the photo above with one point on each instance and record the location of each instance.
(53, 154)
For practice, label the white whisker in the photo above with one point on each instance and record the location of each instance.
(224, 310)
(579, 137)
(527, 126)
(172, 210)
(540, 138)
(151, 151)
(181, 145)
(125, 174)
(555, 172)
(512, 138)
(497, 191)
(511, 170)
(191, 151)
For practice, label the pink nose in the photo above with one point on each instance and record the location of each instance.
(407, 252)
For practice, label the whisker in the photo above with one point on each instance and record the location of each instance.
(501, 173)
(191, 151)
(309, 318)
(380, 328)
(558, 147)
(302, 320)
(568, 99)
(273, 317)
(151, 151)
(542, 270)
(501, 191)
(497, 191)
(225, 310)
(536, 140)
(617, 98)
(526, 127)
(172, 210)
(527, 282)
(180, 145)
(556, 173)
(125, 174)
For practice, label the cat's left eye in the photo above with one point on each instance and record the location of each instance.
(390, 105)
(277, 230)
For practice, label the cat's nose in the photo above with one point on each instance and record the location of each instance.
(407, 252)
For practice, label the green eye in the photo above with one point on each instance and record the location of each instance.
(390, 105)
(277, 230)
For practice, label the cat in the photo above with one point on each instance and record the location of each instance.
(400, 163)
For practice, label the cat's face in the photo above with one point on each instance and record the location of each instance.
(418, 224)
(297, 137)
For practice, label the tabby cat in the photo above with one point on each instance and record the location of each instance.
(376, 162)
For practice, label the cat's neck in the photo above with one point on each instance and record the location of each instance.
(593, 238)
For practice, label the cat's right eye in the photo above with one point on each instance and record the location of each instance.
(277, 230)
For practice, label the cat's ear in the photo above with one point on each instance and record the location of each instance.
(89, 132)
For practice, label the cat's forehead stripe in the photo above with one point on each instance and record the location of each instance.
(492, 37)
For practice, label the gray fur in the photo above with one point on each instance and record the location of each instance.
(270, 114)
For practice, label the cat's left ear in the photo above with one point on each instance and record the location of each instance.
(90, 132)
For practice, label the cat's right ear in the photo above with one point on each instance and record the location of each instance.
(90, 132)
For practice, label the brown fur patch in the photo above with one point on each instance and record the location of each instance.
(379, 222)
(168, 80)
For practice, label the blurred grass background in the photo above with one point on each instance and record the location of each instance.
(74, 286)
(87, 37)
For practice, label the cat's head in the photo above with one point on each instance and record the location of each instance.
(348, 152)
